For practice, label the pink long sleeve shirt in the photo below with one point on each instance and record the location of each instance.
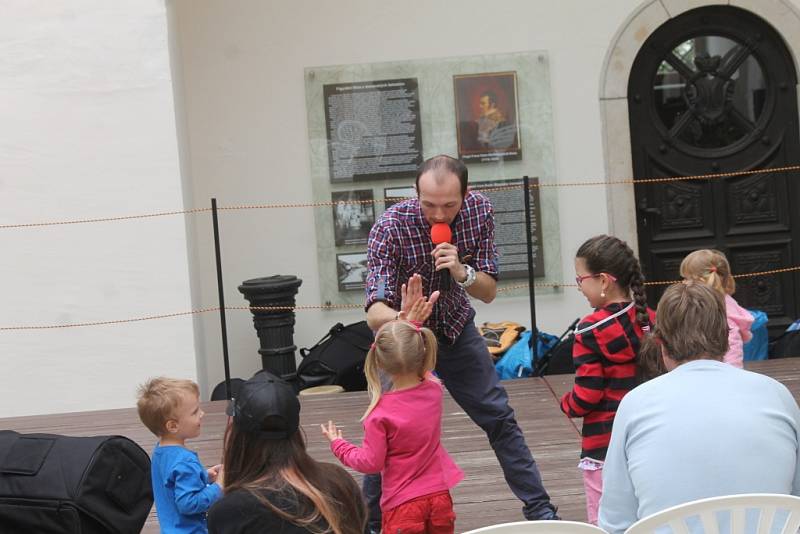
(739, 322)
(402, 443)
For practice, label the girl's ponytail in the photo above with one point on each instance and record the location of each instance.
(372, 373)
(429, 359)
(399, 347)
(649, 363)
(710, 267)
(639, 296)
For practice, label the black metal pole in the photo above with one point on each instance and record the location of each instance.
(532, 343)
(221, 301)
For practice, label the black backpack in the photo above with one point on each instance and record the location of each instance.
(561, 362)
(220, 392)
(337, 358)
(787, 345)
(53, 484)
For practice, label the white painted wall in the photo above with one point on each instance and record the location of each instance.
(88, 130)
(245, 121)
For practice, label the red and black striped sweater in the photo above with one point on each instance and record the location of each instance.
(604, 354)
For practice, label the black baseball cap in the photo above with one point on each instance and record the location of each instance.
(267, 406)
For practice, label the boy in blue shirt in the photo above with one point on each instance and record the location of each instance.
(182, 488)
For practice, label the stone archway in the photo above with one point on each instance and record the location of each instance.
(781, 14)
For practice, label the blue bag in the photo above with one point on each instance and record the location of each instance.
(756, 348)
(516, 362)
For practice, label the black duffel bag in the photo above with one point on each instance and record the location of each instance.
(787, 345)
(53, 484)
(337, 358)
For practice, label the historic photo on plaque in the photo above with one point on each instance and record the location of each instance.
(373, 129)
(351, 270)
(509, 229)
(486, 117)
(393, 195)
(353, 216)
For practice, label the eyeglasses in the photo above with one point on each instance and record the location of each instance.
(579, 279)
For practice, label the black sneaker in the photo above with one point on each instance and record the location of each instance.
(549, 514)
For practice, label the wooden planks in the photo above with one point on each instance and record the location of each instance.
(481, 499)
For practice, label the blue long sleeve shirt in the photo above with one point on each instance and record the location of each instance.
(181, 490)
(705, 429)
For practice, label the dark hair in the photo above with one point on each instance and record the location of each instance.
(692, 322)
(328, 499)
(649, 363)
(491, 95)
(444, 164)
(609, 254)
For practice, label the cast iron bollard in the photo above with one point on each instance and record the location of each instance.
(275, 328)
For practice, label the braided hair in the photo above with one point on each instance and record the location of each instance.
(609, 254)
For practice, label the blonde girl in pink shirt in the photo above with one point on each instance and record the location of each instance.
(712, 268)
(402, 431)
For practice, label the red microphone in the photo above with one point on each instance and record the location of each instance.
(441, 233)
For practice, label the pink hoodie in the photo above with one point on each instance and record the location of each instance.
(739, 321)
(402, 441)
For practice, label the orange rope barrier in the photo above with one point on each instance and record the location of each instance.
(306, 307)
(102, 323)
(329, 203)
(106, 219)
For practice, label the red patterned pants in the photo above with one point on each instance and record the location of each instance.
(429, 514)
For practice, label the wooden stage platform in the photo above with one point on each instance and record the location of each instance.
(481, 499)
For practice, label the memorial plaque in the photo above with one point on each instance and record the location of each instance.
(509, 227)
(366, 129)
(373, 129)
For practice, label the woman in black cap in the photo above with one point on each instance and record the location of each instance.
(271, 483)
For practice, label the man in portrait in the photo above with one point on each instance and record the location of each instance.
(490, 118)
(486, 116)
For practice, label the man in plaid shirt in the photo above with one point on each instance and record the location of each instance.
(404, 266)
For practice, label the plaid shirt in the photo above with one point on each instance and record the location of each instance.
(400, 245)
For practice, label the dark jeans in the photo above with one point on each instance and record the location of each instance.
(466, 369)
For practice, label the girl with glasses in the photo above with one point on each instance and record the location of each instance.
(606, 349)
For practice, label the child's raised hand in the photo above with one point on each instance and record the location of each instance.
(213, 473)
(331, 432)
(421, 309)
(410, 292)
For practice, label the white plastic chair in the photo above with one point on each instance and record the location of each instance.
(709, 512)
(540, 527)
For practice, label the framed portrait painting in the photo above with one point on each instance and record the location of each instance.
(486, 117)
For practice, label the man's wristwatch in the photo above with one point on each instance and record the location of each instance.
(471, 277)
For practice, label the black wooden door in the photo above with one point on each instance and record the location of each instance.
(713, 90)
